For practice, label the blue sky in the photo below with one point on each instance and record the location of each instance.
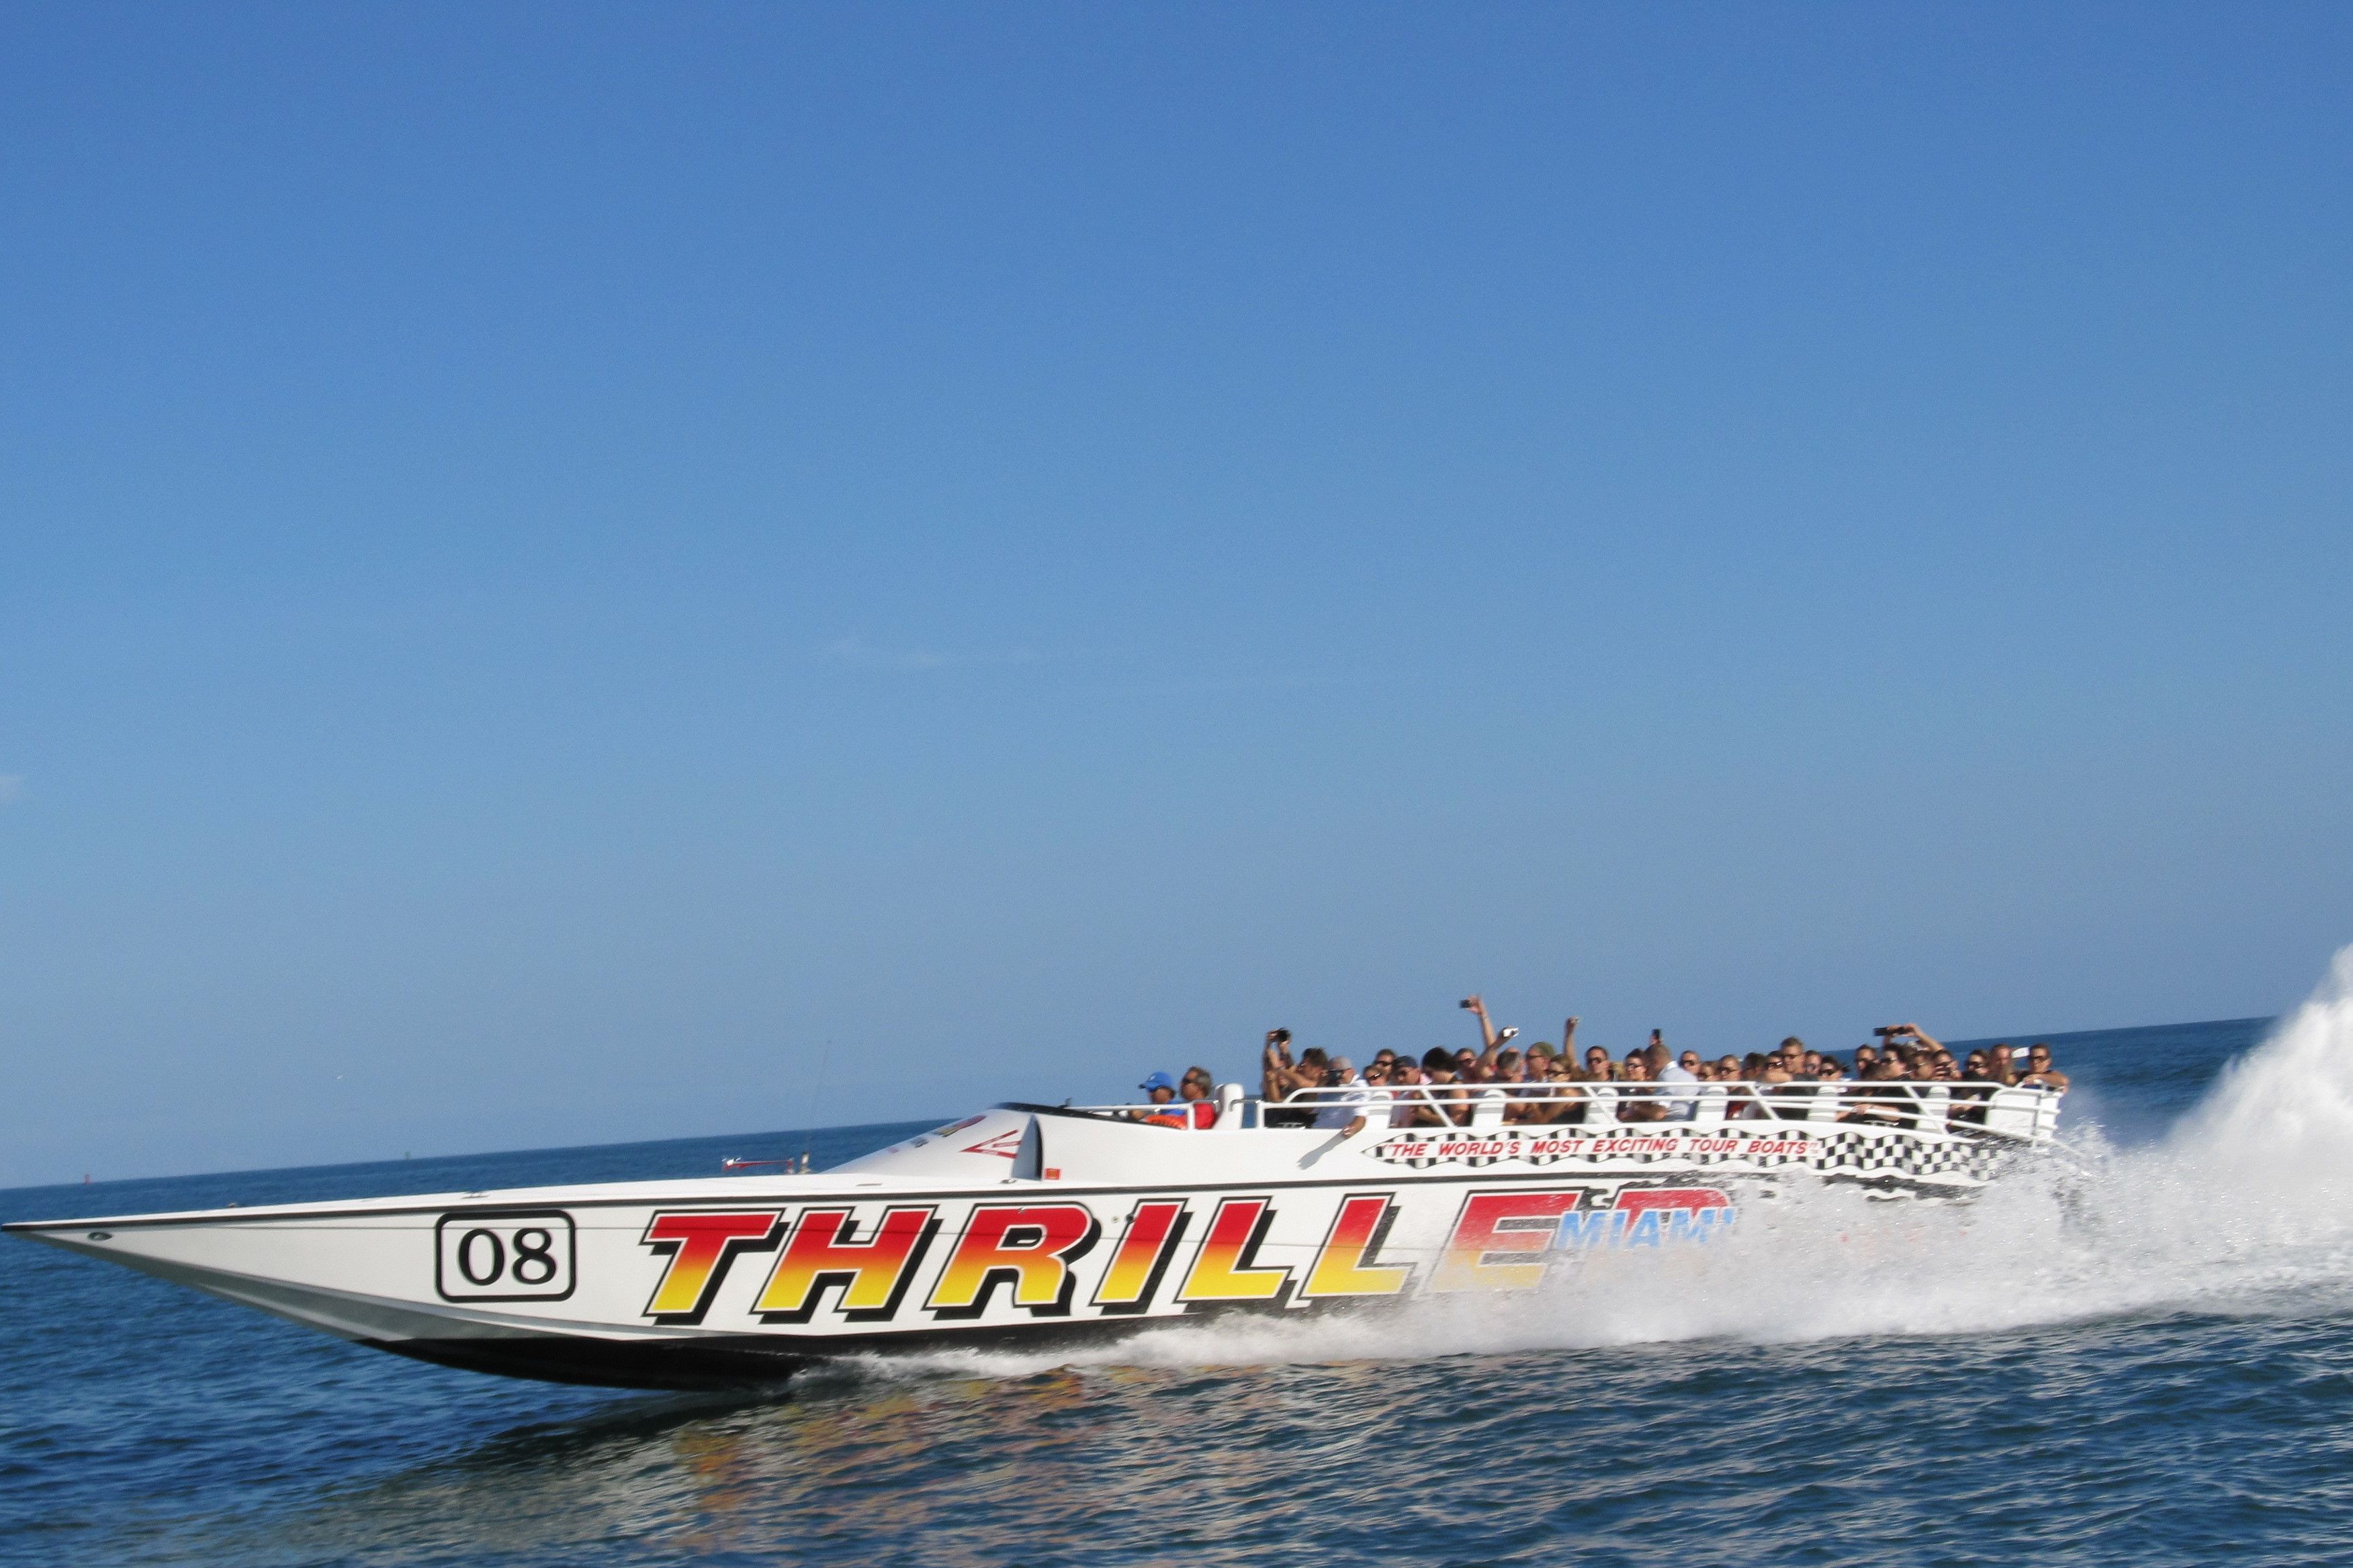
(587, 573)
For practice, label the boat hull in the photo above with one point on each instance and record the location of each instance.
(1021, 1228)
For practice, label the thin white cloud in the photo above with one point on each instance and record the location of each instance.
(858, 654)
(11, 786)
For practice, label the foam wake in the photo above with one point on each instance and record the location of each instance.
(2242, 1207)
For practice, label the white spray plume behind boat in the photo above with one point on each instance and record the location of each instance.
(2284, 1113)
(2240, 1209)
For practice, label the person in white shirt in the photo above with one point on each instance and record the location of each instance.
(1680, 1106)
(1347, 1110)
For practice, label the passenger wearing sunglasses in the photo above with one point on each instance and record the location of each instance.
(2041, 1071)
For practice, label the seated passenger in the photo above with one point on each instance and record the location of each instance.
(1161, 1090)
(2041, 1071)
(1514, 1073)
(1785, 1102)
(1636, 1103)
(1439, 1104)
(1404, 1096)
(1541, 1100)
(1282, 1079)
(1454, 1093)
(1879, 1099)
(1573, 1103)
(1347, 1112)
(1199, 1093)
(1803, 1080)
(1681, 1102)
(1976, 1088)
(1741, 1103)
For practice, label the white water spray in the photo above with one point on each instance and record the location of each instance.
(2245, 1207)
(2284, 1113)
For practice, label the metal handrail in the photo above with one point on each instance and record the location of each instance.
(1569, 1094)
(2028, 1112)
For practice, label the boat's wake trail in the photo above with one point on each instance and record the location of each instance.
(2245, 1207)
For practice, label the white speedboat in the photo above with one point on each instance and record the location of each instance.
(1027, 1224)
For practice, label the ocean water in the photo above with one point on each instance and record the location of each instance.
(2141, 1353)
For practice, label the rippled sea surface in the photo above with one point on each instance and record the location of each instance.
(2140, 1353)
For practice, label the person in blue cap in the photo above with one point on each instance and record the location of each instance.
(1161, 1090)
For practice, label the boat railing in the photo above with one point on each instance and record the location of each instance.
(2024, 1112)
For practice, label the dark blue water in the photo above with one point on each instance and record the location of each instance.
(1923, 1395)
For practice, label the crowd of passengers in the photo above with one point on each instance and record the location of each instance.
(1548, 1085)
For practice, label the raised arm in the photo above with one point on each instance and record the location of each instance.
(1487, 1028)
(1274, 1065)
